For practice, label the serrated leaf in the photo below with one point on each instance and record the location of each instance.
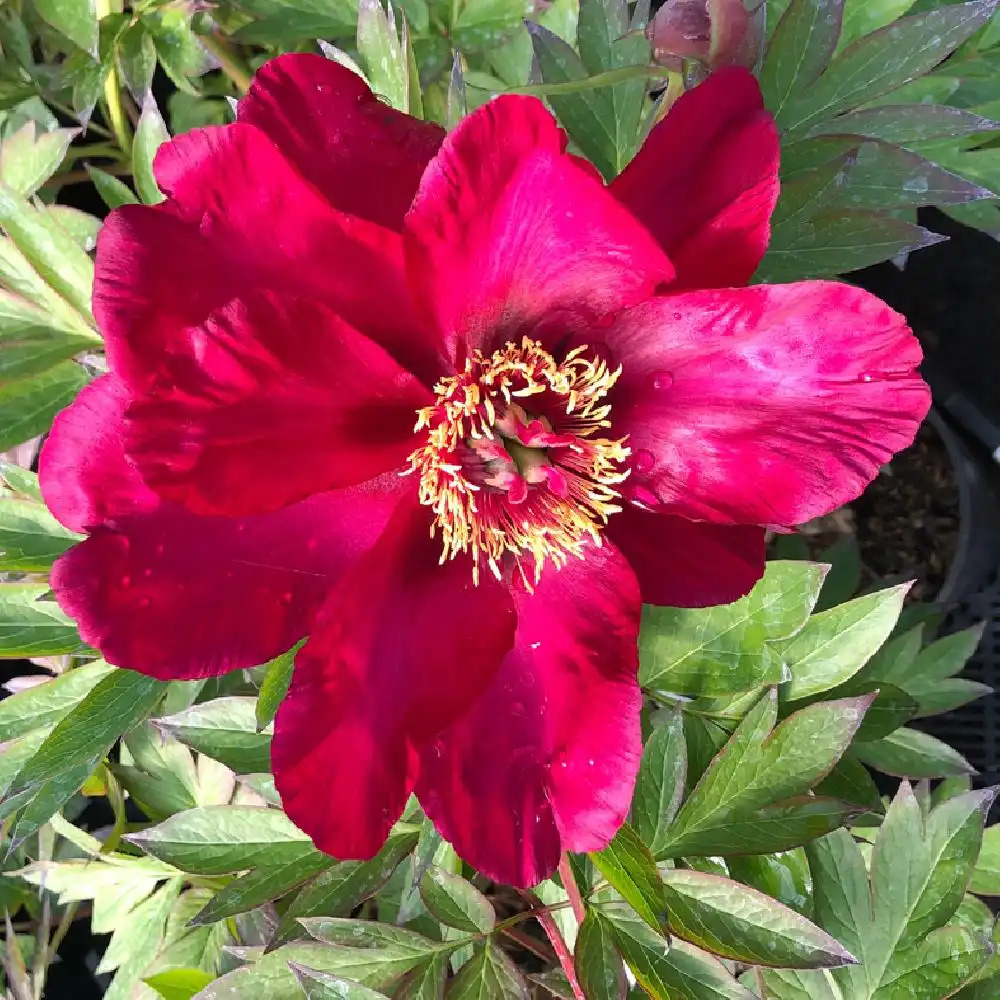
(488, 975)
(629, 866)
(28, 158)
(274, 687)
(598, 965)
(28, 405)
(885, 60)
(834, 645)
(456, 903)
(150, 134)
(800, 49)
(736, 922)
(909, 753)
(217, 840)
(44, 704)
(721, 650)
(659, 786)
(224, 729)
(30, 537)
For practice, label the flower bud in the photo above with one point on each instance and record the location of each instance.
(714, 32)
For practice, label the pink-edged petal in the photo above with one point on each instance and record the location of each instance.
(365, 157)
(508, 235)
(270, 401)
(173, 594)
(240, 218)
(400, 648)
(82, 471)
(688, 564)
(765, 405)
(705, 182)
(546, 760)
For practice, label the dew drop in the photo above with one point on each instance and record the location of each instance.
(866, 377)
(517, 709)
(147, 572)
(286, 598)
(678, 316)
(642, 497)
(125, 581)
(143, 602)
(643, 462)
(159, 549)
(535, 645)
(312, 544)
(661, 379)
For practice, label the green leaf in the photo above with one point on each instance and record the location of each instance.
(137, 58)
(799, 50)
(44, 704)
(224, 729)
(906, 123)
(87, 732)
(629, 866)
(909, 753)
(76, 19)
(50, 250)
(323, 986)
(28, 405)
(179, 49)
(986, 876)
(338, 890)
(676, 971)
(21, 481)
(150, 134)
(42, 801)
(179, 984)
(945, 657)
(783, 876)
(112, 191)
(30, 537)
(659, 786)
(274, 688)
(937, 697)
(456, 903)
(884, 61)
(834, 645)
(426, 982)
(758, 768)
(943, 962)
(598, 965)
(30, 626)
(382, 54)
(28, 158)
(721, 650)
(736, 922)
(217, 840)
(488, 975)
(861, 17)
(485, 24)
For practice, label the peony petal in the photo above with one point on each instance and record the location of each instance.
(270, 401)
(173, 594)
(507, 233)
(402, 645)
(705, 182)
(240, 218)
(766, 405)
(688, 564)
(547, 759)
(364, 157)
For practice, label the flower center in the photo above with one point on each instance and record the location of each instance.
(515, 463)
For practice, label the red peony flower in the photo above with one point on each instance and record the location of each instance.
(452, 408)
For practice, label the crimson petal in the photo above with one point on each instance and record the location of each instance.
(270, 401)
(705, 182)
(240, 218)
(507, 233)
(176, 595)
(765, 405)
(364, 156)
(688, 564)
(546, 760)
(401, 646)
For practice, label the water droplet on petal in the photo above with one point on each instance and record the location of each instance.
(642, 497)
(661, 379)
(286, 598)
(143, 602)
(125, 581)
(866, 377)
(643, 462)
(678, 315)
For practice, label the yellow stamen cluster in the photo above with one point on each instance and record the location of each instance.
(478, 519)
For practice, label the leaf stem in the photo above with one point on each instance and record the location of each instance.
(561, 949)
(117, 118)
(609, 78)
(230, 61)
(572, 889)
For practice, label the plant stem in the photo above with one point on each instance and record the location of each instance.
(559, 946)
(527, 943)
(113, 93)
(606, 79)
(82, 177)
(572, 889)
(230, 62)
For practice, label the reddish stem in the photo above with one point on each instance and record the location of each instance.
(558, 943)
(572, 889)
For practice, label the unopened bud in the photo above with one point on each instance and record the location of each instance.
(713, 32)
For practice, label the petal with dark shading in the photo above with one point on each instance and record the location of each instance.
(365, 157)
(401, 647)
(270, 401)
(705, 182)
(240, 218)
(688, 564)
(173, 594)
(546, 760)
(509, 237)
(765, 405)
